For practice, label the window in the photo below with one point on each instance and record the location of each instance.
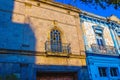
(102, 71)
(56, 45)
(114, 71)
(99, 39)
(99, 35)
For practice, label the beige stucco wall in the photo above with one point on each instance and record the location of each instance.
(43, 60)
(114, 18)
(41, 18)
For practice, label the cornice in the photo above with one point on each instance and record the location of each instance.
(85, 16)
(92, 15)
(60, 5)
(115, 24)
(35, 53)
(92, 19)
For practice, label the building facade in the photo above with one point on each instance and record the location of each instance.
(114, 24)
(40, 40)
(101, 45)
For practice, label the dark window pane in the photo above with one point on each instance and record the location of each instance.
(99, 39)
(101, 42)
(114, 71)
(56, 41)
(102, 71)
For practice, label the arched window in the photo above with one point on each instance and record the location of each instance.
(55, 40)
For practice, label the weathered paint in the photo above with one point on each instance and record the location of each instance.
(25, 27)
(94, 59)
(99, 60)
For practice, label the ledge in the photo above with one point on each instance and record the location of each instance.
(101, 55)
(53, 3)
(70, 55)
(35, 53)
(55, 54)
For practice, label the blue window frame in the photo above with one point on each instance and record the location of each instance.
(114, 71)
(102, 71)
(99, 35)
(56, 45)
(99, 39)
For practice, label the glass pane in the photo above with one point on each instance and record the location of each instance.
(113, 71)
(56, 41)
(99, 39)
(102, 71)
(101, 42)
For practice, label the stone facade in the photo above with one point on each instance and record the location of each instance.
(89, 33)
(26, 26)
(27, 51)
(115, 31)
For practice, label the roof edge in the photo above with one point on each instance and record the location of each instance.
(60, 5)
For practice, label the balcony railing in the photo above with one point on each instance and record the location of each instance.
(57, 47)
(103, 49)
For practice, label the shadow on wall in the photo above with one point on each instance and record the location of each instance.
(17, 40)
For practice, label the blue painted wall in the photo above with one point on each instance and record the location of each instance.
(114, 27)
(12, 36)
(95, 61)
